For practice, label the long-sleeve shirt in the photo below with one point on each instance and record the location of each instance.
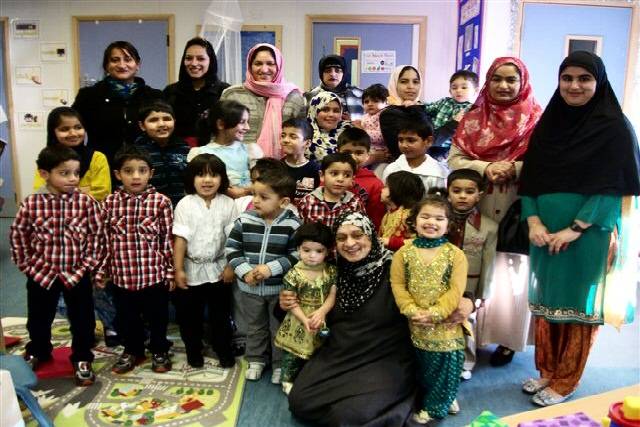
(253, 241)
(394, 227)
(443, 111)
(137, 232)
(313, 207)
(373, 187)
(57, 236)
(434, 288)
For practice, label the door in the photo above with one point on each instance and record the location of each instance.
(8, 206)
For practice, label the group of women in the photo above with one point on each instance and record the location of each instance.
(575, 165)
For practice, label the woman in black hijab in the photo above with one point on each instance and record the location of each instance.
(581, 167)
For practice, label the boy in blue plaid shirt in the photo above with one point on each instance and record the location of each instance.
(447, 112)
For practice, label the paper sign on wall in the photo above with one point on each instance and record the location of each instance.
(378, 61)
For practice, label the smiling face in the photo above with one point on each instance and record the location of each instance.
(412, 145)
(408, 86)
(432, 221)
(330, 115)
(236, 133)
(577, 86)
(332, 76)
(312, 253)
(463, 194)
(505, 83)
(158, 125)
(69, 131)
(134, 175)
(263, 66)
(121, 65)
(338, 179)
(207, 185)
(293, 142)
(64, 178)
(196, 62)
(352, 243)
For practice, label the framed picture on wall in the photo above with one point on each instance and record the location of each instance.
(591, 44)
(30, 120)
(55, 97)
(349, 49)
(53, 51)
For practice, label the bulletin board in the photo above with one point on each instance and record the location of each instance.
(469, 35)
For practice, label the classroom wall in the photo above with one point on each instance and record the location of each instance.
(55, 23)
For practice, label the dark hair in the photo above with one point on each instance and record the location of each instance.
(330, 159)
(433, 200)
(261, 49)
(157, 105)
(355, 136)
(469, 174)
(130, 152)
(423, 128)
(53, 121)
(409, 67)
(123, 45)
(229, 111)
(53, 155)
(300, 124)
(211, 76)
(375, 92)
(405, 188)
(314, 232)
(467, 75)
(267, 164)
(203, 164)
(283, 184)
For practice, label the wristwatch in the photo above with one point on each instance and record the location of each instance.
(576, 227)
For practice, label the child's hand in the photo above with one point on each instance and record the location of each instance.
(172, 285)
(262, 272)
(100, 283)
(421, 318)
(316, 320)
(237, 192)
(180, 280)
(384, 241)
(228, 276)
(379, 156)
(458, 116)
(307, 326)
(85, 189)
(357, 123)
(250, 278)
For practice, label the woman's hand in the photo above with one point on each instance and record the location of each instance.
(538, 234)
(288, 300)
(560, 241)
(500, 172)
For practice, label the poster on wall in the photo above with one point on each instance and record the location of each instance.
(55, 97)
(378, 61)
(23, 29)
(469, 34)
(349, 49)
(53, 52)
(29, 76)
(31, 120)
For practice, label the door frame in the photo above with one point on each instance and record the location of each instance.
(75, 31)
(632, 67)
(421, 21)
(10, 116)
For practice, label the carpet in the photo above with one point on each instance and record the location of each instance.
(209, 396)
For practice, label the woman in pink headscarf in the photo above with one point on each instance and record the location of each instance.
(268, 96)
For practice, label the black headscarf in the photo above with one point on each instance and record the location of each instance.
(333, 61)
(590, 149)
(84, 151)
(211, 76)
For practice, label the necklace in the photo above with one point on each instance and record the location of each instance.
(426, 243)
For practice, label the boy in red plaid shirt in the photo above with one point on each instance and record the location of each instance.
(137, 229)
(56, 242)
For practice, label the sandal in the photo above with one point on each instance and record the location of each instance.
(548, 397)
(532, 385)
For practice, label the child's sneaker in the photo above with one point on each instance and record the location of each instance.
(84, 375)
(254, 371)
(160, 363)
(276, 376)
(125, 364)
(286, 387)
(422, 417)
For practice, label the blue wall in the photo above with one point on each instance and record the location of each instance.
(398, 37)
(148, 37)
(543, 41)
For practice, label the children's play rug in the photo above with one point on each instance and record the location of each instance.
(209, 396)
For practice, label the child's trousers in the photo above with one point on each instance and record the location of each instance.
(190, 306)
(291, 366)
(262, 327)
(41, 307)
(439, 376)
(133, 308)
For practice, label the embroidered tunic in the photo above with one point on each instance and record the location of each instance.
(434, 288)
(292, 336)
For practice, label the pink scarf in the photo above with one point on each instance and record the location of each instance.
(276, 92)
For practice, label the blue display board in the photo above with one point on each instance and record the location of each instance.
(469, 35)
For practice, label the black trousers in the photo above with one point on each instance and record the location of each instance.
(150, 304)
(41, 307)
(190, 305)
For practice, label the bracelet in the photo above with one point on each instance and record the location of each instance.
(576, 227)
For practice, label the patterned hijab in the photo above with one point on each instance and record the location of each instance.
(323, 142)
(358, 281)
(493, 131)
(276, 91)
(394, 98)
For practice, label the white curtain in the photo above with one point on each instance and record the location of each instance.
(221, 26)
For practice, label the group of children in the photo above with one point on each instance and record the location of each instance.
(262, 223)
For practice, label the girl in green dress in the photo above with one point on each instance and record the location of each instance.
(314, 282)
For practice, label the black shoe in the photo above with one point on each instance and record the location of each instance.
(227, 361)
(501, 356)
(237, 349)
(160, 363)
(111, 340)
(195, 360)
